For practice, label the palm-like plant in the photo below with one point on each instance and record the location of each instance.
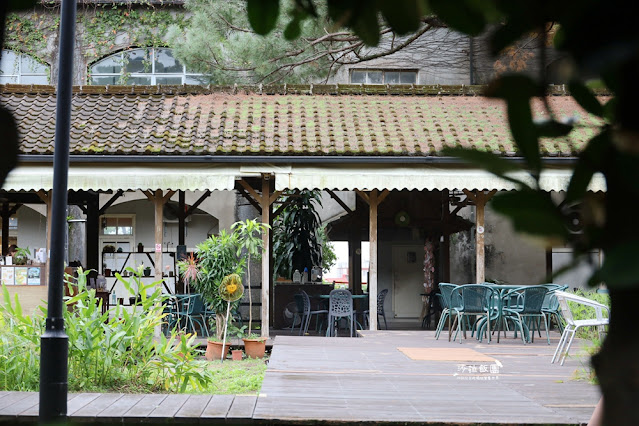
(296, 243)
(215, 258)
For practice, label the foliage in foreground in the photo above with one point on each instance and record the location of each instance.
(120, 354)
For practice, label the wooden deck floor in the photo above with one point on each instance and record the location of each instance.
(319, 380)
(370, 380)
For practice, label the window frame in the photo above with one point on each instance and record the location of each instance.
(384, 71)
(18, 73)
(151, 74)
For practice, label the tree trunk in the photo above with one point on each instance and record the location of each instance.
(617, 364)
(220, 322)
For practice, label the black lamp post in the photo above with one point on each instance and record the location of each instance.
(54, 343)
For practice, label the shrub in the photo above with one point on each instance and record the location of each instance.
(109, 351)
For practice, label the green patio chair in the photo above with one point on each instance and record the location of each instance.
(445, 296)
(476, 300)
(526, 312)
(551, 305)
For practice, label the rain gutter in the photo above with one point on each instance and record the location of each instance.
(277, 159)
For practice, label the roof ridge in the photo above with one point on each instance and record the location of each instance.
(274, 89)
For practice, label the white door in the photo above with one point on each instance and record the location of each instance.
(408, 280)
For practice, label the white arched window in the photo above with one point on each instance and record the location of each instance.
(18, 68)
(148, 66)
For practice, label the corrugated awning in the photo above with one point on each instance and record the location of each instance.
(99, 177)
(198, 177)
(415, 178)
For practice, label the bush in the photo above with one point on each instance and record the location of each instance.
(111, 351)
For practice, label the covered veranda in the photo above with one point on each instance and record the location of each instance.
(317, 137)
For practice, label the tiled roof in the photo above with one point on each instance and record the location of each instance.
(278, 120)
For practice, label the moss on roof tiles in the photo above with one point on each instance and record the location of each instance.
(245, 122)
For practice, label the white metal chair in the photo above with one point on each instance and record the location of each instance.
(572, 325)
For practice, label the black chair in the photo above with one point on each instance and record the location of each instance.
(381, 296)
(308, 312)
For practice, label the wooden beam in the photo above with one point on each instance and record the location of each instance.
(250, 199)
(266, 249)
(339, 201)
(257, 197)
(480, 198)
(108, 204)
(195, 205)
(372, 269)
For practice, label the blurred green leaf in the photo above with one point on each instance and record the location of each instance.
(552, 129)
(403, 16)
(517, 91)
(590, 161)
(462, 15)
(263, 14)
(620, 267)
(9, 144)
(488, 161)
(366, 25)
(585, 98)
(21, 4)
(532, 212)
(293, 29)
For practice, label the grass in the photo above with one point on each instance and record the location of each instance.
(235, 377)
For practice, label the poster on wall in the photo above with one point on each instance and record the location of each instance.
(21, 276)
(7, 276)
(33, 276)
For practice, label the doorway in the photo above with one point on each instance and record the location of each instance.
(408, 280)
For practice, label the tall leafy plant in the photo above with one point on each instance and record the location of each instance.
(249, 235)
(296, 240)
(215, 258)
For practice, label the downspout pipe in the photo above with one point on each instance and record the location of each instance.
(55, 342)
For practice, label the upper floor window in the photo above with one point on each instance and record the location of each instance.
(383, 76)
(149, 66)
(18, 68)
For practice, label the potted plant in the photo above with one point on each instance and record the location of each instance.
(254, 345)
(21, 256)
(214, 349)
(140, 247)
(108, 249)
(214, 258)
(147, 271)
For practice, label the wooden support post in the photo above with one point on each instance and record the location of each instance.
(92, 234)
(181, 218)
(158, 199)
(355, 258)
(266, 279)
(46, 197)
(374, 199)
(480, 198)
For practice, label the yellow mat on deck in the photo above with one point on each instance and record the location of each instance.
(445, 354)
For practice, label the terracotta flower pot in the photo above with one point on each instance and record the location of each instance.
(237, 354)
(214, 350)
(254, 348)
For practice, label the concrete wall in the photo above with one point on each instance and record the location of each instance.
(510, 257)
(440, 56)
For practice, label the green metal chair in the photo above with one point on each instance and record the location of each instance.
(476, 300)
(551, 307)
(526, 312)
(445, 296)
